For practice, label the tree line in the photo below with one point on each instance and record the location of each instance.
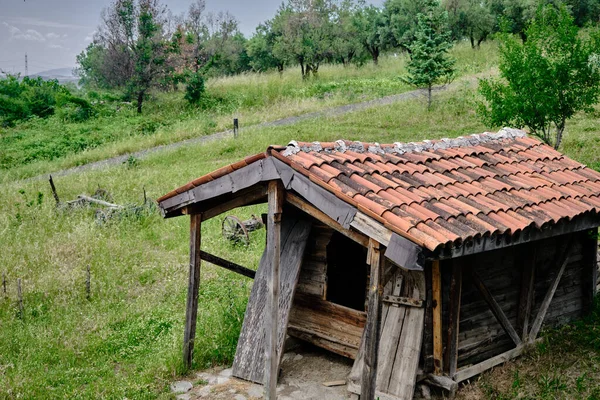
(140, 44)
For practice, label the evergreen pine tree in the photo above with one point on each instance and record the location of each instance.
(429, 60)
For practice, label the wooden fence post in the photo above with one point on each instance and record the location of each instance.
(275, 195)
(88, 283)
(236, 128)
(372, 330)
(20, 297)
(4, 285)
(191, 311)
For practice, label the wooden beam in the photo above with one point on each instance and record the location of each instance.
(495, 307)
(221, 262)
(191, 311)
(276, 195)
(526, 297)
(314, 212)
(562, 265)
(469, 372)
(254, 195)
(436, 288)
(451, 358)
(372, 329)
(590, 268)
(403, 301)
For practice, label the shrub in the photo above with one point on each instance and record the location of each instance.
(194, 89)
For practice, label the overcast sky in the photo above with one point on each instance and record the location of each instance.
(53, 32)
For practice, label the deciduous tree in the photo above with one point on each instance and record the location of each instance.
(547, 79)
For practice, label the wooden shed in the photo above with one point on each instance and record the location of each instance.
(430, 261)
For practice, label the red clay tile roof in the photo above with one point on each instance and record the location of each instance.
(445, 192)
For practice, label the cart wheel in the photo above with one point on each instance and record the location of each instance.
(234, 230)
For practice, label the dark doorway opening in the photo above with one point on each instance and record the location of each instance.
(346, 272)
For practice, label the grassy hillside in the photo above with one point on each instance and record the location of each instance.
(45, 145)
(126, 340)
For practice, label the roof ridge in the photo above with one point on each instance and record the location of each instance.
(342, 146)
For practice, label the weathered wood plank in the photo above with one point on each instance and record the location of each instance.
(469, 372)
(303, 205)
(371, 228)
(436, 286)
(249, 359)
(231, 266)
(527, 295)
(191, 311)
(454, 319)
(403, 301)
(495, 307)
(539, 319)
(372, 330)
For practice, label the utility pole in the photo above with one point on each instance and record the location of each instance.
(26, 66)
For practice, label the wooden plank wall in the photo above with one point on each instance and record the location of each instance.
(481, 336)
(313, 273)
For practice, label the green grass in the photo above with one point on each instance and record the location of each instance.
(126, 341)
(45, 145)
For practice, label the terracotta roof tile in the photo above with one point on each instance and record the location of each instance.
(449, 191)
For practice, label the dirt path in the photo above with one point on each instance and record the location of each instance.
(334, 111)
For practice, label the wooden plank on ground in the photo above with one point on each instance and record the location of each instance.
(249, 358)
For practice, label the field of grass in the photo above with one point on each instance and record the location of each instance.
(41, 146)
(125, 342)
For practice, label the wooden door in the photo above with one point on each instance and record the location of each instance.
(402, 320)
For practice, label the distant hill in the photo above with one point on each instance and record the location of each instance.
(63, 75)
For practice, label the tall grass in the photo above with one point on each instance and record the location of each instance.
(41, 146)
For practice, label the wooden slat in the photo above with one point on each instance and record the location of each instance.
(539, 319)
(454, 319)
(231, 266)
(369, 374)
(495, 307)
(436, 286)
(191, 311)
(303, 205)
(527, 295)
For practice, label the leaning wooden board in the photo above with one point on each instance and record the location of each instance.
(400, 343)
(249, 362)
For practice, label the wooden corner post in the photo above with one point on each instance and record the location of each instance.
(451, 359)
(372, 330)
(191, 311)
(436, 289)
(271, 319)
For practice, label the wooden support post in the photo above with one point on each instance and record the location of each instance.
(372, 329)
(495, 307)
(451, 358)
(436, 288)
(590, 268)
(191, 311)
(526, 297)
(562, 265)
(276, 197)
